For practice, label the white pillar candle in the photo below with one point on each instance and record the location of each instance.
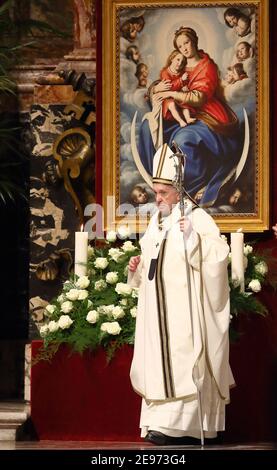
(81, 253)
(237, 258)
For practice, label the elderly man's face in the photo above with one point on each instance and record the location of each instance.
(166, 197)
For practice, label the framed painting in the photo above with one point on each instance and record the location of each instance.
(196, 74)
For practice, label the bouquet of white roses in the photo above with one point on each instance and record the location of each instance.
(98, 309)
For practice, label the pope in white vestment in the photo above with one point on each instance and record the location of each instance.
(181, 354)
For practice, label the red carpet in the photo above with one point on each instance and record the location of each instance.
(83, 398)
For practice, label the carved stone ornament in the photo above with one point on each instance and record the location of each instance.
(72, 150)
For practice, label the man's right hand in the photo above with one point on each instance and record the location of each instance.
(133, 263)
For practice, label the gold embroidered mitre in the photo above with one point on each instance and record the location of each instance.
(164, 170)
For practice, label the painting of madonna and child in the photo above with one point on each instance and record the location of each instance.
(187, 75)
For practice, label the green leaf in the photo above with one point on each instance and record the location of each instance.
(6, 5)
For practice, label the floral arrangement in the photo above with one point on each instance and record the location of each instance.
(256, 275)
(99, 309)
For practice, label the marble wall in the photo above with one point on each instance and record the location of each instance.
(54, 216)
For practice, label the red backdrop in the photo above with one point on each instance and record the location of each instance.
(81, 398)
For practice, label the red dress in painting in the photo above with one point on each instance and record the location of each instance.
(203, 78)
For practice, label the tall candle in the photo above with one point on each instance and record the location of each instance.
(81, 253)
(237, 258)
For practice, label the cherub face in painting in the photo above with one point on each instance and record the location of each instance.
(243, 51)
(229, 77)
(234, 198)
(231, 20)
(242, 28)
(139, 195)
(136, 56)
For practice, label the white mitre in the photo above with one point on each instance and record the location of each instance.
(164, 166)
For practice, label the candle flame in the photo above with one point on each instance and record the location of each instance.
(239, 230)
(82, 228)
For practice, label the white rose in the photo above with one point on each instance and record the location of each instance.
(112, 277)
(43, 331)
(83, 282)
(72, 294)
(123, 302)
(100, 310)
(101, 263)
(107, 309)
(92, 316)
(66, 307)
(118, 312)
(113, 328)
(115, 254)
(61, 298)
(111, 236)
(247, 249)
(50, 309)
(65, 322)
(83, 294)
(123, 289)
(104, 326)
(133, 312)
(100, 285)
(123, 232)
(90, 251)
(128, 246)
(53, 326)
(255, 285)
(261, 268)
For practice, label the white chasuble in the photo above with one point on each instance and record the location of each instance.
(181, 340)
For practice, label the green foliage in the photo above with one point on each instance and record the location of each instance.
(260, 269)
(245, 303)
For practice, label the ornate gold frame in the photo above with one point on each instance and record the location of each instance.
(257, 222)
